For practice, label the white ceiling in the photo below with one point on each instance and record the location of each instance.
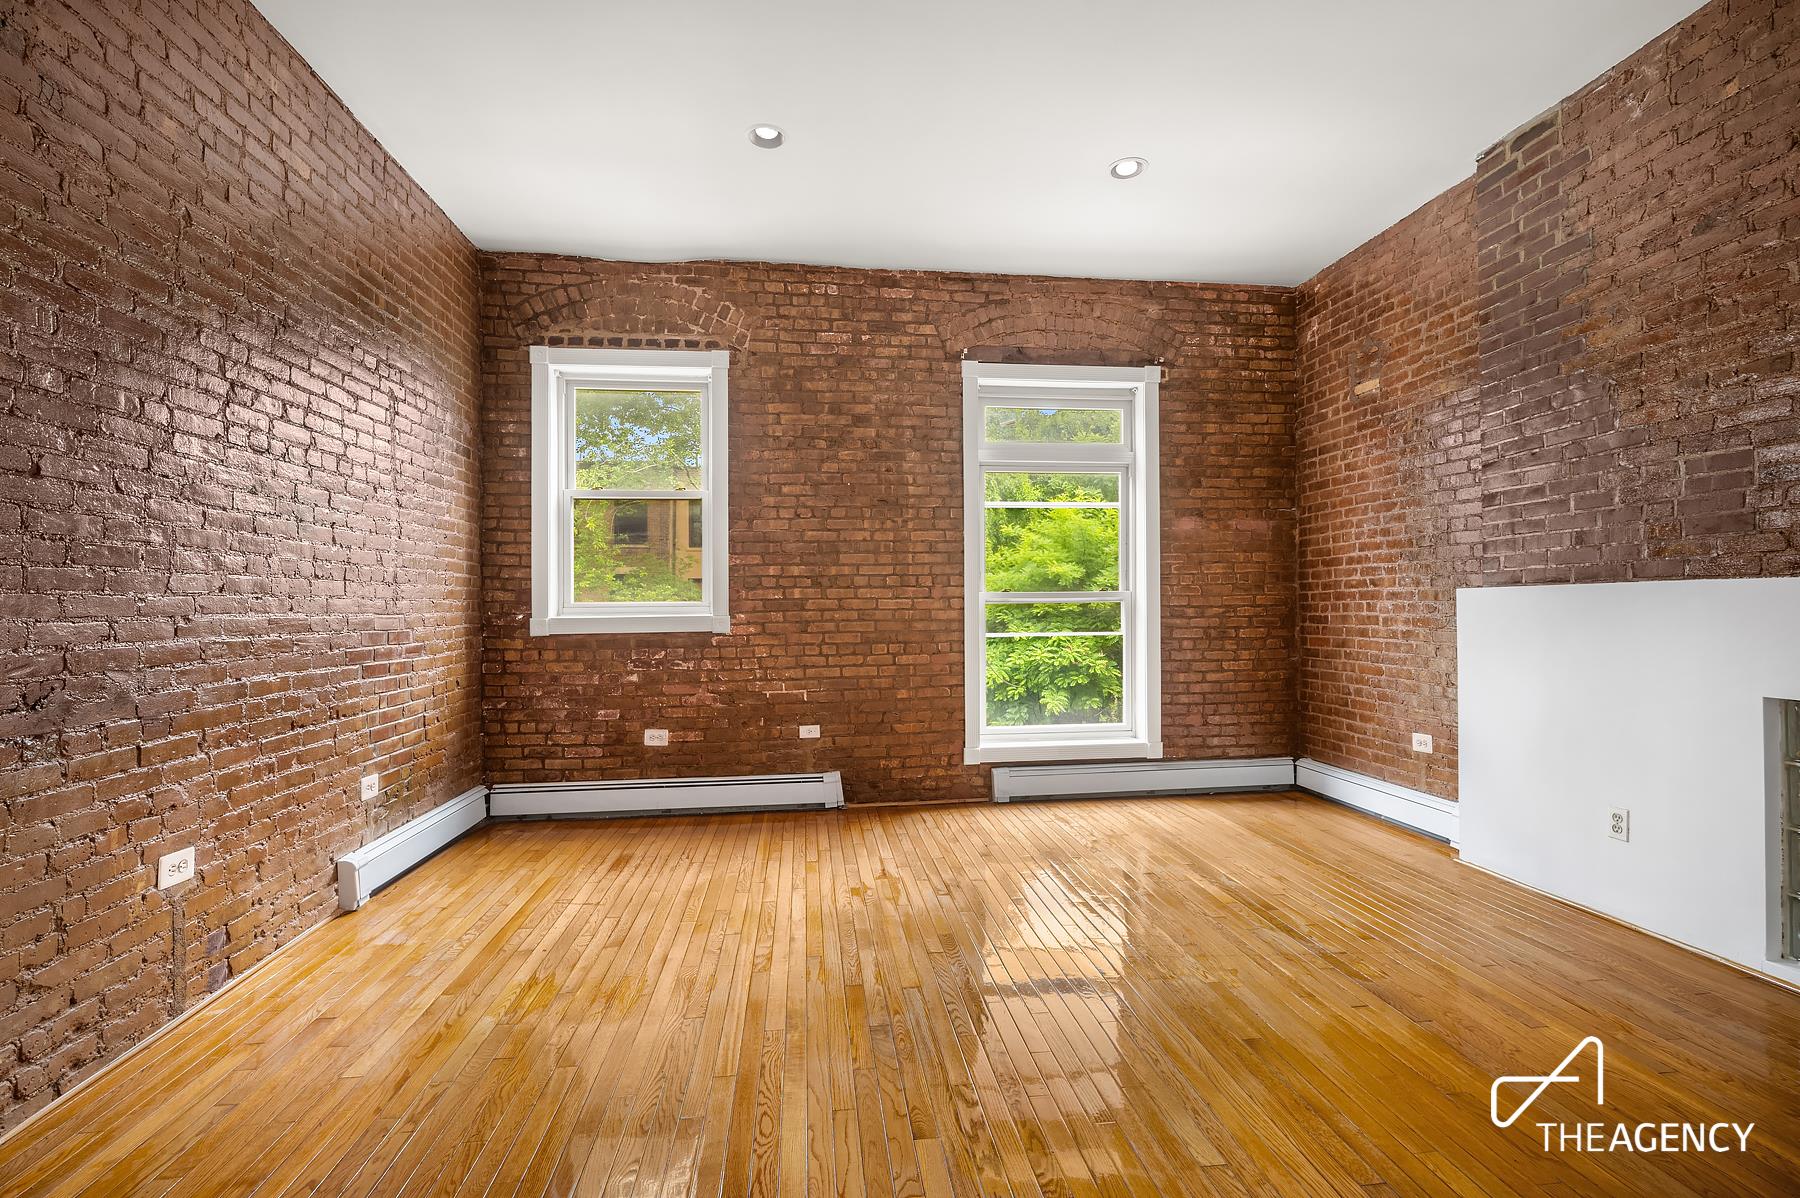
(945, 135)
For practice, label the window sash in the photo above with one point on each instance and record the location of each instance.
(1039, 731)
(1059, 453)
(1123, 596)
(989, 407)
(628, 493)
(557, 374)
(573, 606)
(1050, 456)
(570, 384)
(1132, 391)
(1120, 505)
(1033, 597)
(1029, 395)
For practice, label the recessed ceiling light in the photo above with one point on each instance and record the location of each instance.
(1128, 168)
(766, 136)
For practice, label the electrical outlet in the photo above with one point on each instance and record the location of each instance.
(1618, 824)
(1421, 742)
(809, 732)
(174, 868)
(656, 736)
(371, 786)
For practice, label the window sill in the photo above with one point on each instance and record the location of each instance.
(1120, 749)
(579, 625)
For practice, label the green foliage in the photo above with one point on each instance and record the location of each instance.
(1055, 426)
(633, 441)
(1053, 549)
(1018, 486)
(637, 440)
(1053, 679)
(609, 573)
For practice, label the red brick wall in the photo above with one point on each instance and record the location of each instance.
(1637, 412)
(1638, 308)
(1390, 503)
(847, 515)
(237, 502)
(238, 429)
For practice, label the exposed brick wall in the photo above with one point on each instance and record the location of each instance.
(847, 516)
(1640, 279)
(1636, 277)
(1390, 503)
(238, 430)
(237, 502)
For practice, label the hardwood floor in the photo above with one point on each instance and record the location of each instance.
(1259, 995)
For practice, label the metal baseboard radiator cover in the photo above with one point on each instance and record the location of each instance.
(1140, 778)
(645, 796)
(363, 871)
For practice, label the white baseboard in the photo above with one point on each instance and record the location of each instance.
(1140, 778)
(363, 870)
(645, 796)
(1781, 973)
(1401, 804)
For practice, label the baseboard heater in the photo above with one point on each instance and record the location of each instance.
(362, 871)
(1141, 778)
(1437, 818)
(652, 796)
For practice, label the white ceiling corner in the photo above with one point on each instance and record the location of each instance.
(951, 134)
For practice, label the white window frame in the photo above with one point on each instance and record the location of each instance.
(555, 373)
(1132, 390)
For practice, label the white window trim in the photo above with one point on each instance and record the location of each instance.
(552, 369)
(1135, 389)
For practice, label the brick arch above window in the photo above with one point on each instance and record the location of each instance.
(1056, 327)
(631, 314)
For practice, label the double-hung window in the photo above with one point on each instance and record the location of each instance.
(628, 482)
(1061, 564)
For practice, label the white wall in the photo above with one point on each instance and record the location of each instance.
(1643, 695)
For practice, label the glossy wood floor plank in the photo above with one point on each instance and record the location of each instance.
(1264, 995)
